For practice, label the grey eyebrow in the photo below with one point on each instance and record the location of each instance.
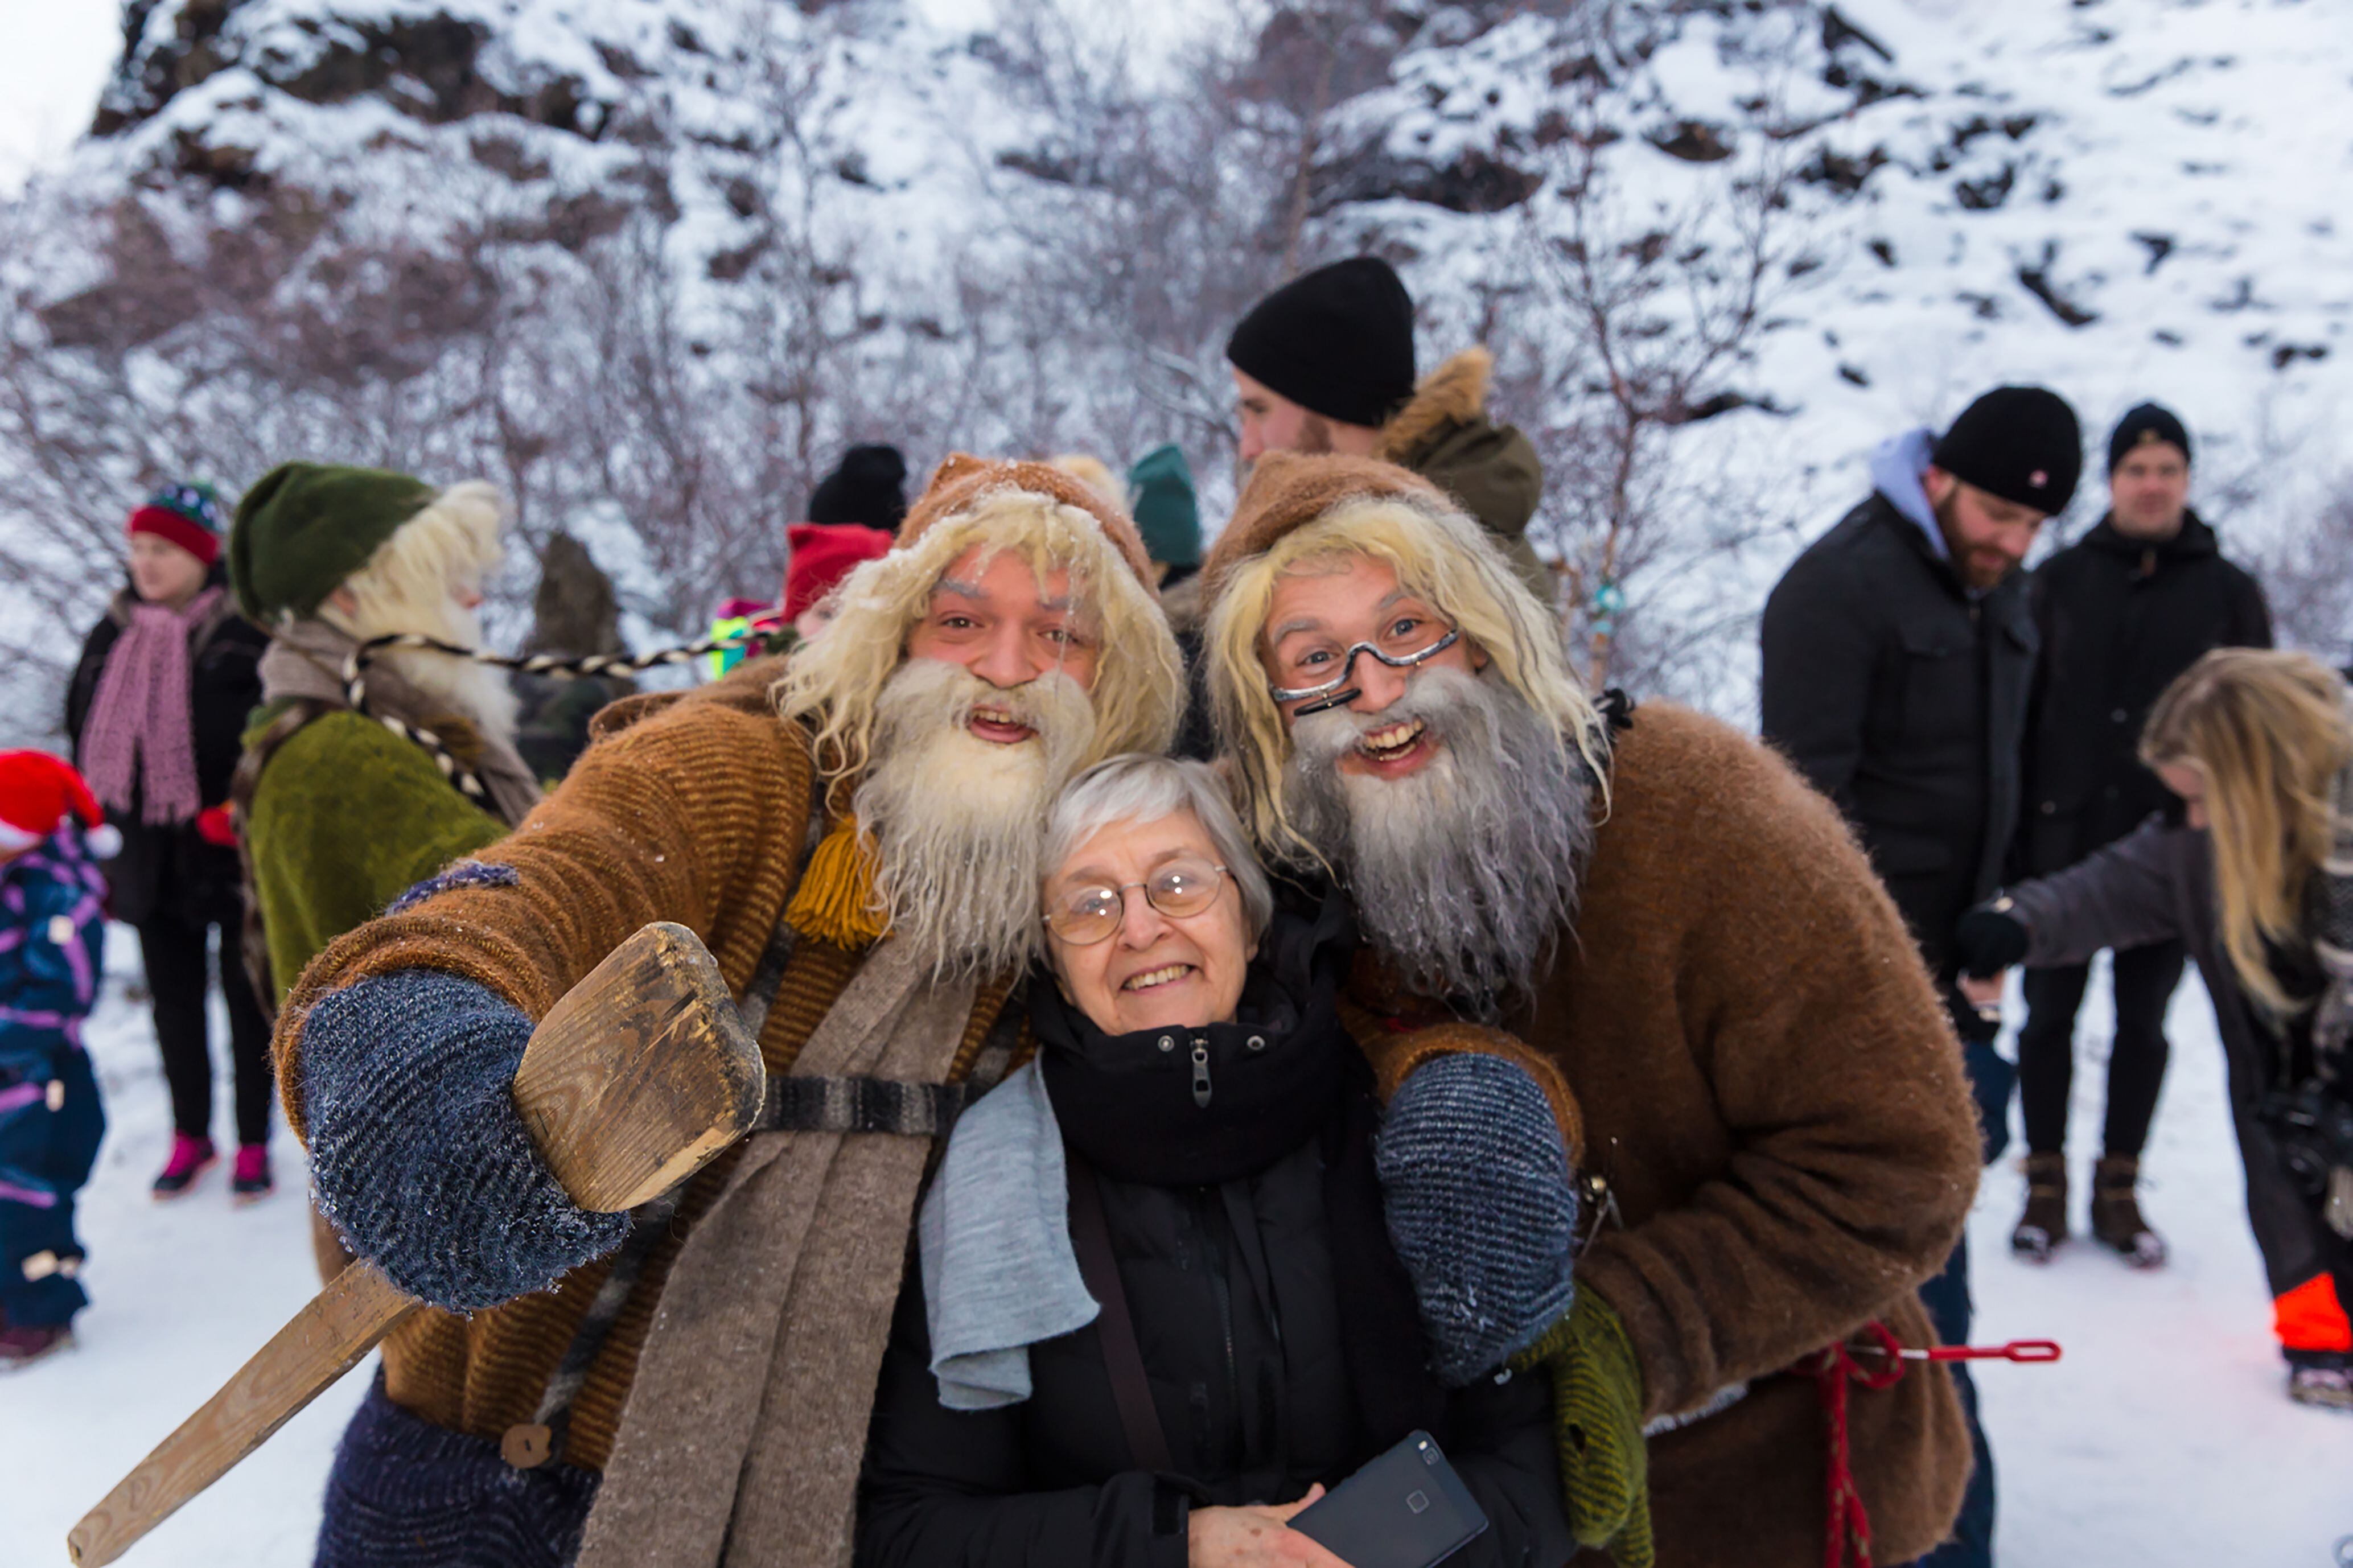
(960, 589)
(1062, 602)
(1304, 624)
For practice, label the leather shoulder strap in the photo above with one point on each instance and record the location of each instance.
(1147, 1440)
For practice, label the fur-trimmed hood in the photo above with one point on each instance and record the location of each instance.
(1443, 434)
(1454, 393)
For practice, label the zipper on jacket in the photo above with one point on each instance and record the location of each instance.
(1201, 1071)
(1220, 1288)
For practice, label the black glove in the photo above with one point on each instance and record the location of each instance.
(1988, 939)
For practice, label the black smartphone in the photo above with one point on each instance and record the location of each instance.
(1406, 1510)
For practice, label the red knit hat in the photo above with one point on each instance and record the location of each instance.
(189, 516)
(823, 554)
(37, 793)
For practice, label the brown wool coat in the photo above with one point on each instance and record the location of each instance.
(1766, 1082)
(691, 809)
(1766, 1078)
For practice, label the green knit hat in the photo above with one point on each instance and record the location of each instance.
(1166, 514)
(303, 528)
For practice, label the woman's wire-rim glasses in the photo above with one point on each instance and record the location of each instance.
(1084, 916)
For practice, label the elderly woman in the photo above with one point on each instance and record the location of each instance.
(1159, 1308)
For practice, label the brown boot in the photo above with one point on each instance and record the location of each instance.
(2115, 1213)
(2043, 1226)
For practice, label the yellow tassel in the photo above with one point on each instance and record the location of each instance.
(835, 901)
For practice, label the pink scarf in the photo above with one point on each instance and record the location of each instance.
(139, 733)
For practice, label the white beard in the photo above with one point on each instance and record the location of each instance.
(479, 693)
(959, 822)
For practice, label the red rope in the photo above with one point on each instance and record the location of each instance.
(1832, 1370)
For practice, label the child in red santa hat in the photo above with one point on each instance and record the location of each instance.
(52, 934)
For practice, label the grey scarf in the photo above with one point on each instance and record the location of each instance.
(305, 663)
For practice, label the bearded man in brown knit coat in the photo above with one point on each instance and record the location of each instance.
(1667, 912)
(856, 837)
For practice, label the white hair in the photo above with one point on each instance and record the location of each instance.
(1138, 787)
(412, 584)
(954, 818)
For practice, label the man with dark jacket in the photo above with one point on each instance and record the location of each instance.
(1898, 653)
(2121, 612)
(1326, 363)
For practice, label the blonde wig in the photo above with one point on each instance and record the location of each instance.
(1440, 555)
(2269, 733)
(1095, 474)
(1138, 694)
(412, 582)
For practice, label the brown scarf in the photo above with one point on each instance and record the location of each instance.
(305, 663)
(745, 1425)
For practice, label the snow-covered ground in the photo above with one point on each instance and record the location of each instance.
(2162, 1438)
(181, 1294)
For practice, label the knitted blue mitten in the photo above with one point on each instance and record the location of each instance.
(418, 1152)
(1483, 1209)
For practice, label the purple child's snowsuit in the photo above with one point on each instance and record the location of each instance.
(52, 931)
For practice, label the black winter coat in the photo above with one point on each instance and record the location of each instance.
(1234, 1294)
(1902, 697)
(170, 870)
(2120, 618)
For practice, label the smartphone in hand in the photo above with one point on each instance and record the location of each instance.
(1406, 1510)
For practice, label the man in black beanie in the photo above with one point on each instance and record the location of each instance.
(2122, 612)
(1898, 651)
(868, 487)
(1326, 363)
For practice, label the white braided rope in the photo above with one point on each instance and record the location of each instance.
(547, 664)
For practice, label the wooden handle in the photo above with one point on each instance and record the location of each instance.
(325, 1341)
(640, 1074)
(635, 1080)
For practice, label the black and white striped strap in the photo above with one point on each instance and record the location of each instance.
(549, 664)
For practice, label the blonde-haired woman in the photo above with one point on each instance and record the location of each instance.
(2258, 880)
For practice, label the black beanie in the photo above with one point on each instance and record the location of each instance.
(2020, 443)
(866, 488)
(1337, 342)
(2140, 425)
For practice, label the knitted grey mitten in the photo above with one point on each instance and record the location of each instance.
(1483, 1209)
(418, 1152)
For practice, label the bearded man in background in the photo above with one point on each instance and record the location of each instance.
(855, 835)
(1685, 929)
(341, 812)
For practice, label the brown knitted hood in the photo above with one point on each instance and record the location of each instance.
(1290, 489)
(961, 479)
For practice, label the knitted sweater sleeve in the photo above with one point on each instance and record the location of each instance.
(693, 813)
(1852, 1151)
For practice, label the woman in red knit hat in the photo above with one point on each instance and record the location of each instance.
(157, 709)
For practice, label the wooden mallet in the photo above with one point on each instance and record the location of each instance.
(636, 1079)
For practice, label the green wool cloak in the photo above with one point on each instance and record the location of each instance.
(346, 817)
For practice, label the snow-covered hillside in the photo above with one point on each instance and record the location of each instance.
(2162, 1438)
(665, 257)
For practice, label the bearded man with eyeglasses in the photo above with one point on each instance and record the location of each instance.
(1662, 908)
(856, 836)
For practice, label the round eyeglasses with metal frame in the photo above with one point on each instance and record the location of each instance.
(1084, 916)
(1332, 688)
